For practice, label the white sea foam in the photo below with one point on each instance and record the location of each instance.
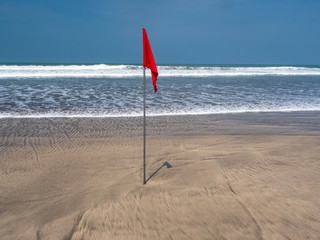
(91, 96)
(158, 113)
(125, 71)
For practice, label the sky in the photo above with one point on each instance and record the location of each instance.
(180, 31)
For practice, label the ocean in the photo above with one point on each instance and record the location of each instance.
(102, 90)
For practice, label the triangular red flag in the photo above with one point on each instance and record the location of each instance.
(148, 60)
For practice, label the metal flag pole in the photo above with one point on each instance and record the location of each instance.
(144, 125)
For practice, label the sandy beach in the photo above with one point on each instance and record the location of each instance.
(233, 176)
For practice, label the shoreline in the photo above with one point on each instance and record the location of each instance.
(306, 112)
(312, 111)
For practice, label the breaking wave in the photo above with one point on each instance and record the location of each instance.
(127, 71)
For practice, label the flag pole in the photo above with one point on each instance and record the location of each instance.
(148, 62)
(144, 125)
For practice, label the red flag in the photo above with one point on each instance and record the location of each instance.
(148, 60)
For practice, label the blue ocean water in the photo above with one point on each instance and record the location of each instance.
(116, 90)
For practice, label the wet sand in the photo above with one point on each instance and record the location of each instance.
(233, 176)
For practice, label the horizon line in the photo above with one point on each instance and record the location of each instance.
(158, 64)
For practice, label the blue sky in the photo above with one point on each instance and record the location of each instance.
(180, 31)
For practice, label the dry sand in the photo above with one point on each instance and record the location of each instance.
(233, 176)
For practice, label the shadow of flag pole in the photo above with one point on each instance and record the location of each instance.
(148, 62)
